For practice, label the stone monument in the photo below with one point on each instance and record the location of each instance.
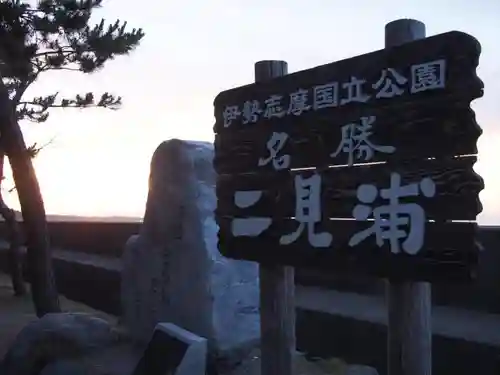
(173, 271)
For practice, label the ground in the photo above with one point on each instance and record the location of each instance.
(251, 366)
(16, 312)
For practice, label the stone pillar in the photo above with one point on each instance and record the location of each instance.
(173, 271)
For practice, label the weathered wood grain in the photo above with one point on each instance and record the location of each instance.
(456, 197)
(409, 328)
(436, 123)
(449, 251)
(277, 287)
(441, 128)
(461, 52)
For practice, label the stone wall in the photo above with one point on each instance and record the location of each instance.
(483, 294)
(92, 237)
(108, 239)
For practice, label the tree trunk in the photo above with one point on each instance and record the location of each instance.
(39, 260)
(15, 258)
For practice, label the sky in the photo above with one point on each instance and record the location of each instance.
(98, 162)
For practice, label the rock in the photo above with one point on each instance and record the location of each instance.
(116, 360)
(66, 367)
(173, 271)
(119, 359)
(56, 337)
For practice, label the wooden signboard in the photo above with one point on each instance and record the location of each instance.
(365, 164)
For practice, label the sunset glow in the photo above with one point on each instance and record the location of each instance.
(98, 163)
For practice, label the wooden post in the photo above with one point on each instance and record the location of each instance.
(277, 287)
(409, 303)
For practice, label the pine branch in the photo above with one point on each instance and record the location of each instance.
(36, 110)
(68, 69)
(52, 52)
(55, 34)
(51, 35)
(34, 149)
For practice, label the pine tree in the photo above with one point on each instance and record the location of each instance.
(34, 39)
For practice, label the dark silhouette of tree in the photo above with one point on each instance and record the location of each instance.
(51, 35)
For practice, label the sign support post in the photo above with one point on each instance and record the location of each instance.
(409, 331)
(388, 139)
(277, 287)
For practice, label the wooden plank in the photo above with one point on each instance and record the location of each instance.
(449, 251)
(277, 319)
(409, 333)
(456, 196)
(459, 51)
(277, 287)
(439, 129)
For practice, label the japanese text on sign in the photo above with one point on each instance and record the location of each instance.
(427, 76)
(393, 222)
(355, 143)
(401, 225)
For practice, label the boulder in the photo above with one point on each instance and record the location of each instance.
(119, 359)
(66, 367)
(173, 271)
(56, 337)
